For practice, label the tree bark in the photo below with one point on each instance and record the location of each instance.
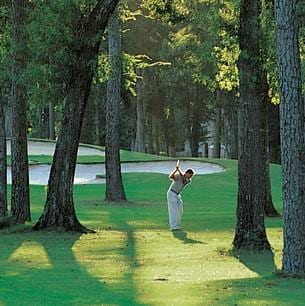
(250, 228)
(196, 123)
(150, 136)
(269, 209)
(140, 131)
(3, 169)
(88, 126)
(217, 125)
(20, 203)
(59, 211)
(101, 102)
(114, 185)
(206, 150)
(231, 125)
(274, 133)
(157, 136)
(292, 135)
(8, 120)
(51, 120)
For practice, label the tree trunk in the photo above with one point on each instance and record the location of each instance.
(269, 208)
(231, 125)
(51, 120)
(114, 185)
(196, 124)
(8, 120)
(150, 136)
(274, 133)
(140, 131)
(59, 209)
(20, 203)
(206, 150)
(100, 102)
(217, 125)
(292, 136)
(3, 182)
(250, 228)
(88, 127)
(39, 122)
(157, 136)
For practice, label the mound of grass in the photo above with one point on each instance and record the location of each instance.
(133, 259)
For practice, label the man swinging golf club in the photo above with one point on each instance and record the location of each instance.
(174, 201)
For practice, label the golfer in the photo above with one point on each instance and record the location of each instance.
(174, 201)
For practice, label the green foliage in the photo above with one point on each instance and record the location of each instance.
(4, 49)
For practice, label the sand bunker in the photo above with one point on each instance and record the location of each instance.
(48, 148)
(86, 174)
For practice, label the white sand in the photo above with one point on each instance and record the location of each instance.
(86, 174)
(48, 148)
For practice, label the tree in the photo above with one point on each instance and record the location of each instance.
(3, 183)
(20, 204)
(59, 209)
(114, 185)
(250, 229)
(4, 88)
(292, 135)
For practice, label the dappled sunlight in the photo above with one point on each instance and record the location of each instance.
(31, 254)
(102, 254)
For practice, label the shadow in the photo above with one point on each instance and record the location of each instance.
(48, 268)
(129, 253)
(260, 262)
(182, 235)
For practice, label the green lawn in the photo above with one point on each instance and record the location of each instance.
(126, 156)
(133, 259)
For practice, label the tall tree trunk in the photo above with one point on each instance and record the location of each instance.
(88, 127)
(269, 209)
(231, 125)
(8, 120)
(274, 133)
(3, 182)
(206, 150)
(39, 122)
(51, 120)
(217, 125)
(150, 137)
(101, 102)
(157, 136)
(20, 203)
(250, 228)
(114, 185)
(59, 209)
(140, 131)
(195, 123)
(292, 136)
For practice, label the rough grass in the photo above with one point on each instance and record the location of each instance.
(134, 259)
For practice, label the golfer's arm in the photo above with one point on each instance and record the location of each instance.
(179, 171)
(172, 175)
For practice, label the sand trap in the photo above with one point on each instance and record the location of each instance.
(86, 174)
(48, 148)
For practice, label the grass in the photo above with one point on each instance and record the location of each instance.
(133, 259)
(126, 156)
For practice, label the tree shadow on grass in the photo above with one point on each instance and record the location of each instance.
(182, 235)
(261, 262)
(61, 280)
(268, 290)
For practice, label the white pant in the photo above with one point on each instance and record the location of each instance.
(175, 210)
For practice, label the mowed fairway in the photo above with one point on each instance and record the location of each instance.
(133, 259)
